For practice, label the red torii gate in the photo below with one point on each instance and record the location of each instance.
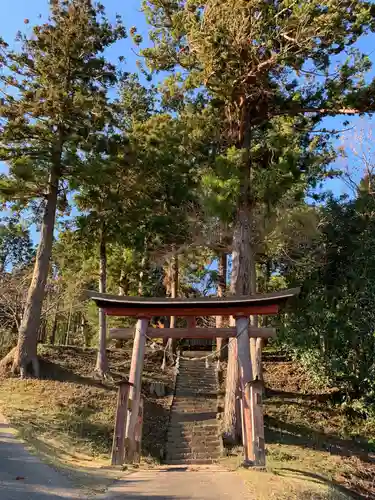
(240, 308)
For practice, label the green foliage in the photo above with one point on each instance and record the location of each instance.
(16, 248)
(332, 324)
(54, 106)
(258, 50)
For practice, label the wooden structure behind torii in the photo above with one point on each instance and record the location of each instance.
(240, 308)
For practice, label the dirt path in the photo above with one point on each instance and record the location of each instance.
(205, 483)
(24, 477)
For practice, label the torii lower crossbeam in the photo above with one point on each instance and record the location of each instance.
(191, 333)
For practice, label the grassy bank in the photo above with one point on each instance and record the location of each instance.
(68, 415)
(315, 449)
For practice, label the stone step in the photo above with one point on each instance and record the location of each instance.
(196, 426)
(196, 374)
(178, 440)
(193, 434)
(196, 383)
(185, 433)
(192, 444)
(197, 387)
(186, 425)
(188, 393)
(183, 459)
(184, 410)
(209, 403)
(194, 392)
(206, 410)
(199, 371)
(191, 461)
(211, 387)
(203, 414)
(205, 379)
(194, 403)
(192, 424)
(190, 448)
(195, 397)
(194, 410)
(193, 453)
(185, 453)
(201, 374)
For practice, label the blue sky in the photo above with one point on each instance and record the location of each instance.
(14, 13)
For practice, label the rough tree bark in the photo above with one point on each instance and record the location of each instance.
(123, 288)
(25, 353)
(142, 271)
(242, 283)
(243, 279)
(221, 287)
(101, 361)
(69, 324)
(171, 344)
(52, 338)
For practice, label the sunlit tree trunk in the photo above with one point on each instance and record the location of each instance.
(243, 278)
(221, 287)
(101, 360)
(171, 345)
(25, 353)
(52, 338)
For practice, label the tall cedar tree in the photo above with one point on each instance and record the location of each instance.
(109, 208)
(54, 111)
(260, 60)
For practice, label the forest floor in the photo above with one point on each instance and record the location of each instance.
(310, 440)
(314, 450)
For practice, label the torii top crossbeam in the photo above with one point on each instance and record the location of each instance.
(116, 305)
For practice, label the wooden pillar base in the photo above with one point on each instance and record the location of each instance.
(118, 447)
(245, 376)
(135, 378)
(138, 434)
(255, 393)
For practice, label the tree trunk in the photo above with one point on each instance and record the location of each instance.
(42, 332)
(232, 420)
(143, 268)
(26, 350)
(221, 287)
(171, 345)
(243, 279)
(52, 338)
(101, 360)
(123, 288)
(69, 323)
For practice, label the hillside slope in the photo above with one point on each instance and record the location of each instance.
(309, 436)
(314, 449)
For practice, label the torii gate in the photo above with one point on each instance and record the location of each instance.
(144, 308)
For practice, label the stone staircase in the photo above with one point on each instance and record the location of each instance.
(193, 435)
